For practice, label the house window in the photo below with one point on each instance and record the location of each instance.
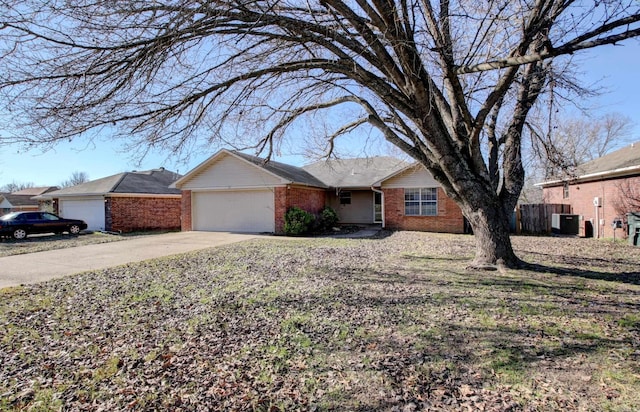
(421, 201)
(345, 198)
(565, 191)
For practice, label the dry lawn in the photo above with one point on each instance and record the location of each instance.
(390, 324)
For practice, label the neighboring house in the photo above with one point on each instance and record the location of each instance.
(125, 202)
(22, 200)
(600, 191)
(233, 191)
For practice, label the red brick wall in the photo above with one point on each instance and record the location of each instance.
(130, 214)
(280, 208)
(448, 220)
(581, 200)
(185, 216)
(309, 199)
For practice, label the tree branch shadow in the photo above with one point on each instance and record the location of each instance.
(632, 277)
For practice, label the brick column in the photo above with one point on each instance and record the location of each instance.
(185, 215)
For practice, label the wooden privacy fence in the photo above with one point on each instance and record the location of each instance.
(535, 219)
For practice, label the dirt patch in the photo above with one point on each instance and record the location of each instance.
(391, 324)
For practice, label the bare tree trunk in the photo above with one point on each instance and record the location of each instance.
(164, 74)
(493, 245)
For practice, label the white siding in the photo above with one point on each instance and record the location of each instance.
(234, 211)
(414, 177)
(230, 172)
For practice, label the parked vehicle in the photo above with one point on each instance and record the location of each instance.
(20, 224)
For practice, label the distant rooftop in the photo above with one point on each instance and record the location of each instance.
(622, 162)
(18, 200)
(35, 191)
(154, 181)
(628, 156)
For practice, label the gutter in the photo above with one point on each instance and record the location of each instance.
(590, 176)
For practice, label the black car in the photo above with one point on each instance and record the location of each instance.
(20, 224)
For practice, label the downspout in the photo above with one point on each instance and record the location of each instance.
(381, 203)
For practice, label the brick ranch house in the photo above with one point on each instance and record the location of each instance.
(602, 190)
(236, 192)
(125, 202)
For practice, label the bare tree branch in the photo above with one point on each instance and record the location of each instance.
(449, 83)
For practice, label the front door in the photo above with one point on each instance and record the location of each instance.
(377, 207)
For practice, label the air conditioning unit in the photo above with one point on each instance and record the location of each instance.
(565, 224)
(597, 201)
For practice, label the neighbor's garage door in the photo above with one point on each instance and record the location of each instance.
(233, 211)
(89, 210)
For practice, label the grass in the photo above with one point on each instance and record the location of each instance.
(333, 324)
(41, 243)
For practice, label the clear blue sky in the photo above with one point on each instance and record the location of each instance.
(614, 67)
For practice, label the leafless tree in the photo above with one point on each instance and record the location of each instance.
(555, 147)
(16, 186)
(628, 197)
(571, 142)
(75, 179)
(428, 75)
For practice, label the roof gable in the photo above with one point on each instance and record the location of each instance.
(414, 175)
(4, 203)
(293, 173)
(230, 169)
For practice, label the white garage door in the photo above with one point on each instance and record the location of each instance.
(89, 210)
(233, 211)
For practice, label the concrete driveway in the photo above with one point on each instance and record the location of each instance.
(38, 267)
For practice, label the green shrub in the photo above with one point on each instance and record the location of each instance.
(327, 219)
(297, 221)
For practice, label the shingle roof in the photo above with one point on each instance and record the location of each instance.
(35, 191)
(353, 173)
(292, 173)
(154, 181)
(622, 162)
(342, 173)
(626, 157)
(19, 200)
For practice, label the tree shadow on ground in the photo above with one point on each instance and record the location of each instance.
(630, 277)
(429, 355)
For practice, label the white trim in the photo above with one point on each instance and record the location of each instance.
(164, 196)
(374, 190)
(404, 169)
(47, 196)
(204, 165)
(608, 173)
(234, 188)
(420, 201)
(108, 194)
